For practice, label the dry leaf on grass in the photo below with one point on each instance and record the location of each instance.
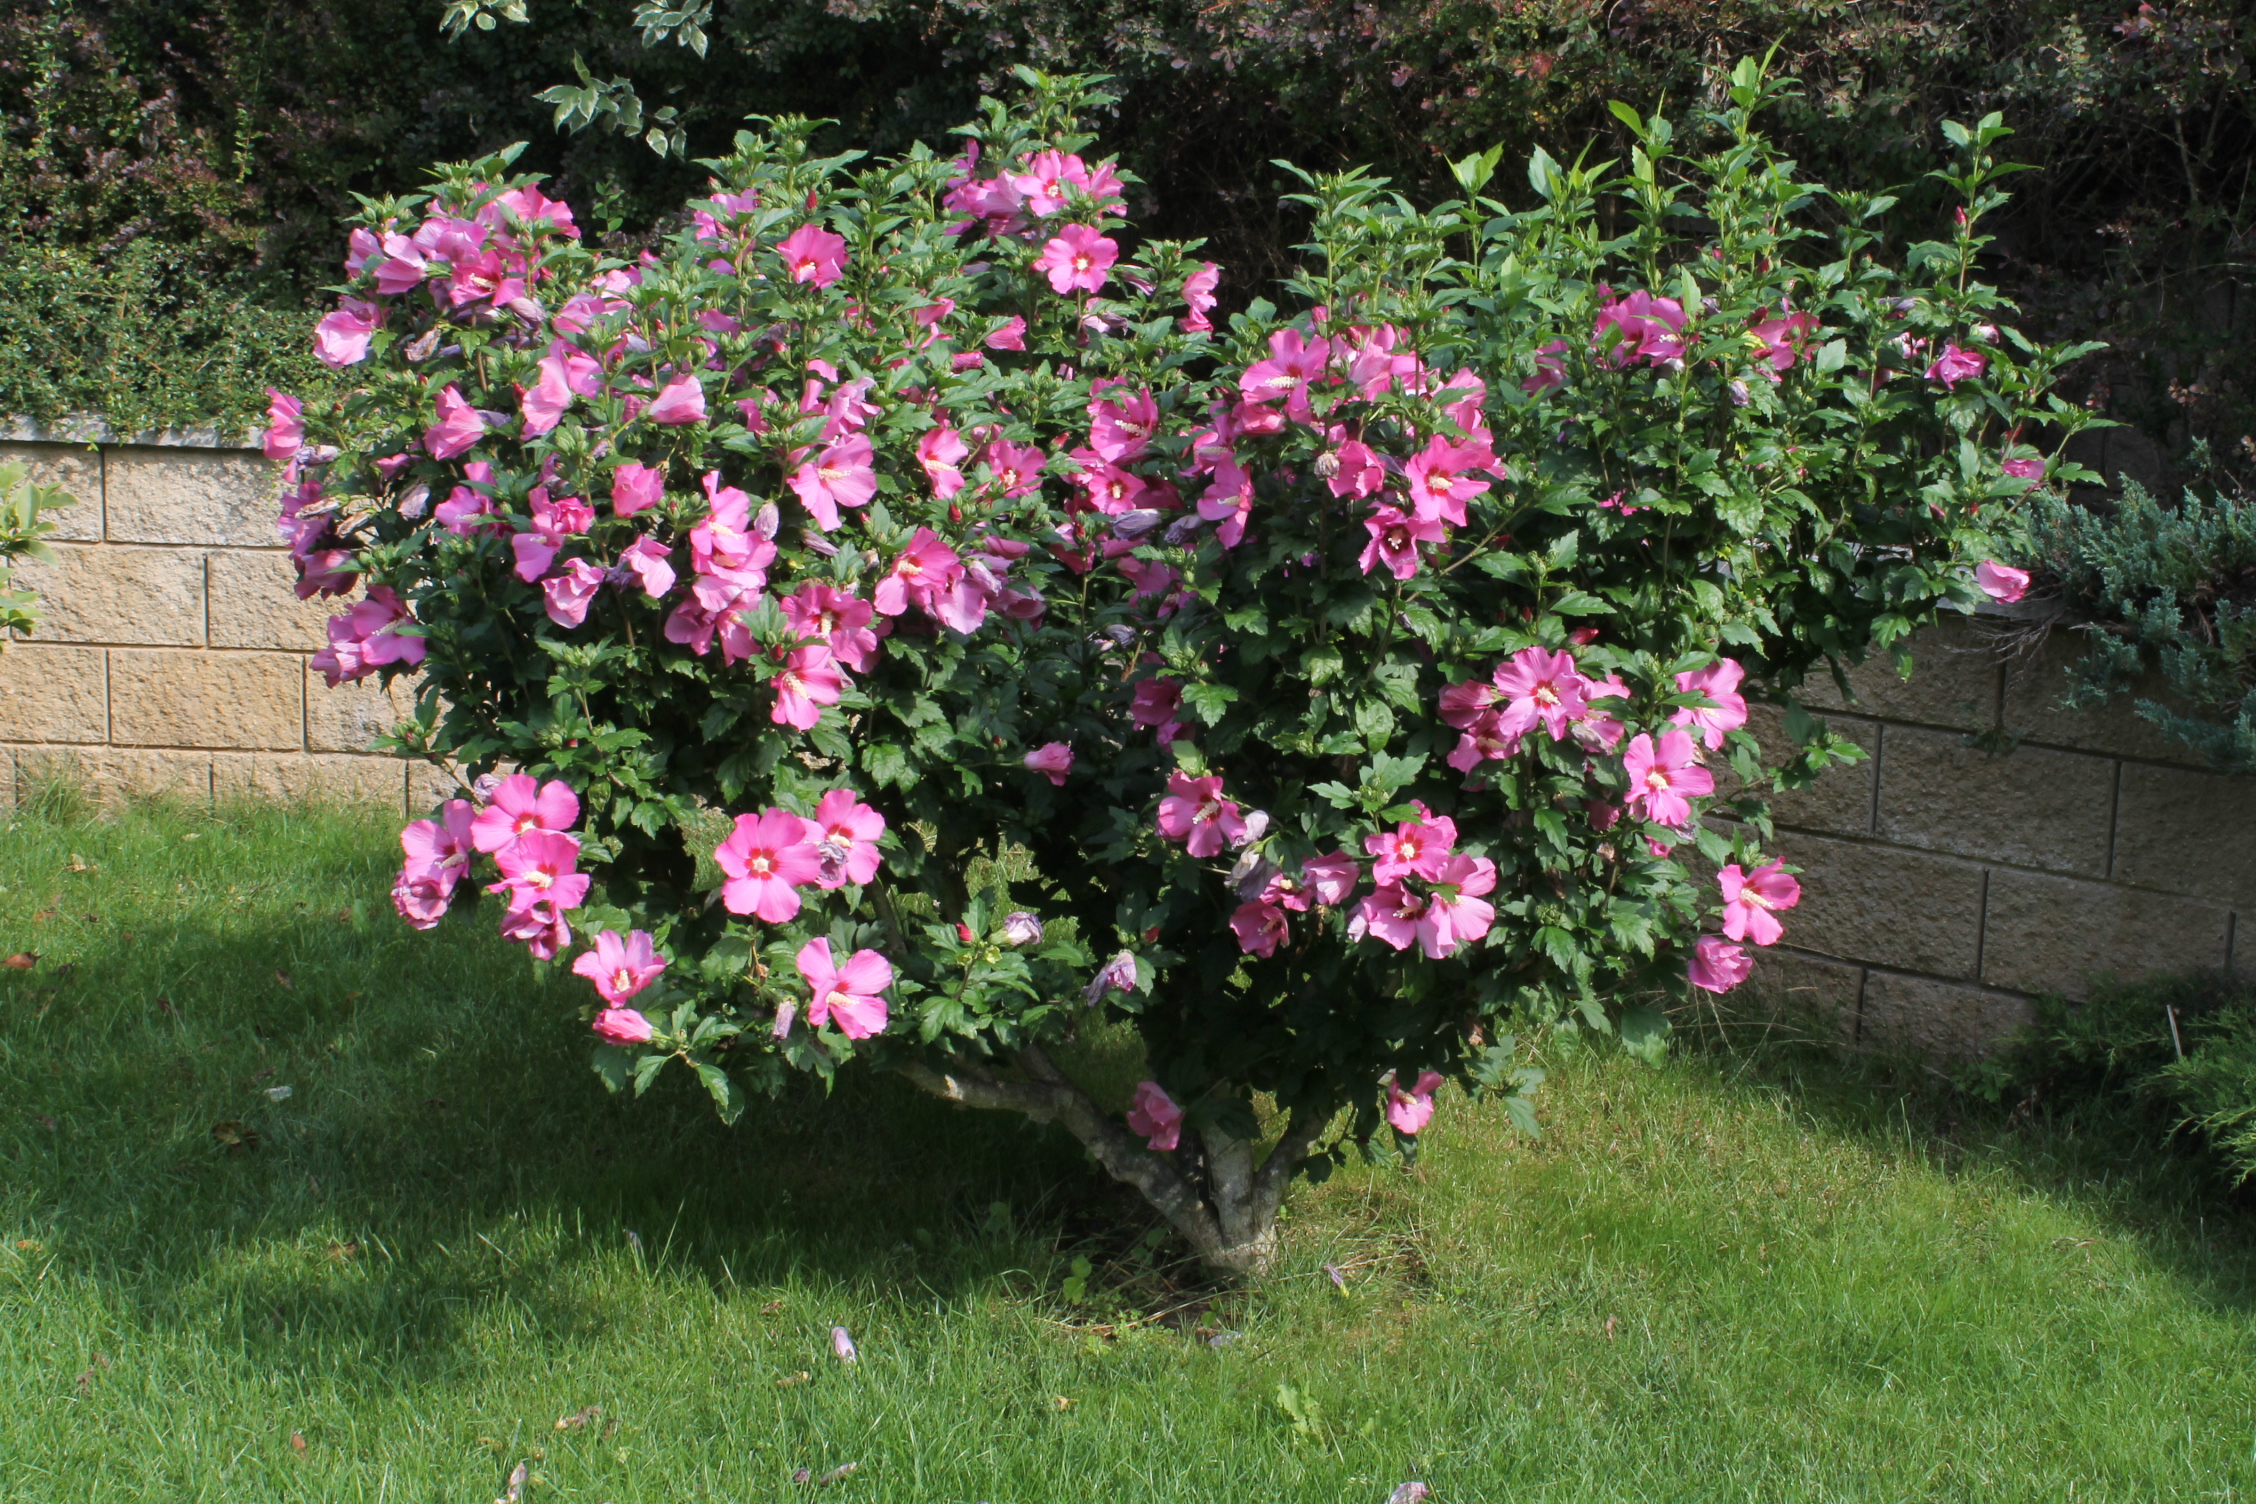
(22, 960)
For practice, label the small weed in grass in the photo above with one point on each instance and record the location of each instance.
(443, 1254)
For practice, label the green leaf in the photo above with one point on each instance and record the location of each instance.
(646, 1071)
(1644, 1033)
(727, 1099)
(1209, 700)
(887, 765)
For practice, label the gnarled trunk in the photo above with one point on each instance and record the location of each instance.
(1231, 1224)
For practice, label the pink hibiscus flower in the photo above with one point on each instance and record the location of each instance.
(1716, 965)
(1543, 687)
(636, 488)
(923, 573)
(1719, 681)
(1955, 365)
(1198, 295)
(1664, 778)
(341, 338)
(845, 995)
(1456, 913)
(541, 867)
(767, 857)
(843, 475)
(1395, 539)
(1294, 364)
(681, 401)
(460, 425)
(1440, 479)
(622, 1026)
(521, 805)
(1154, 1114)
(2001, 582)
(1391, 913)
(1331, 878)
(620, 968)
(1409, 1111)
(649, 561)
(1260, 927)
(807, 681)
(812, 254)
(845, 835)
(1077, 259)
(1413, 848)
(1751, 901)
(570, 592)
(1053, 760)
(942, 452)
(838, 619)
(1195, 812)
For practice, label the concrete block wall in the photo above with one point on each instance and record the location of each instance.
(1946, 884)
(171, 651)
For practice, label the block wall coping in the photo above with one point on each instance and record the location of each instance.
(86, 429)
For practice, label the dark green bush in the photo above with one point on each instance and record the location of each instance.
(2167, 588)
(2164, 1056)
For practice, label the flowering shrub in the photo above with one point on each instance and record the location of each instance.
(1354, 678)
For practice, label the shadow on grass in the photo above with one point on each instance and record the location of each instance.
(443, 1150)
(2121, 1164)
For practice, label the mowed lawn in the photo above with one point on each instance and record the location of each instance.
(444, 1251)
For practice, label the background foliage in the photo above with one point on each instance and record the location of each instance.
(234, 132)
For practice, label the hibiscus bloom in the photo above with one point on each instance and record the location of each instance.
(620, 968)
(942, 452)
(1413, 848)
(1053, 760)
(285, 426)
(1195, 812)
(460, 425)
(622, 1026)
(1391, 913)
(845, 835)
(1664, 777)
(1198, 295)
(1294, 364)
(681, 401)
(1260, 927)
(341, 338)
(521, 805)
(1456, 913)
(1331, 878)
(1719, 681)
(838, 619)
(2001, 582)
(1077, 259)
(1716, 965)
(767, 857)
(807, 681)
(1543, 686)
(1955, 365)
(648, 560)
(541, 867)
(1395, 539)
(842, 475)
(1751, 901)
(570, 592)
(812, 254)
(1155, 1115)
(1440, 480)
(636, 488)
(923, 572)
(845, 995)
(1409, 1111)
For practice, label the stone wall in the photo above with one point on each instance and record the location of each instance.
(1945, 883)
(171, 653)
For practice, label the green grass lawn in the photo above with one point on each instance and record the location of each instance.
(1726, 1279)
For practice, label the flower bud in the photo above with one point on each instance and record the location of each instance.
(766, 520)
(1740, 396)
(415, 502)
(425, 345)
(1128, 527)
(1021, 928)
(1184, 529)
(1327, 465)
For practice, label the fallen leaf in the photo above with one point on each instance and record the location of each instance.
(43, 1120)
(30, 1245)
(1609, 1328)
(772, 1308)
(837, 1474)
(579, 1418)
(793, 1378)
(344, 916)
(165, 1006)
(802, 1475)
(284, 978)
(298, 1442)
(517, 1477)
(44, 915)
(235, 1136)
(22, 960)
(1060, 1403)
(80, 864)
(1332, 1273)
(1408, 1493)
(340, 1253)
